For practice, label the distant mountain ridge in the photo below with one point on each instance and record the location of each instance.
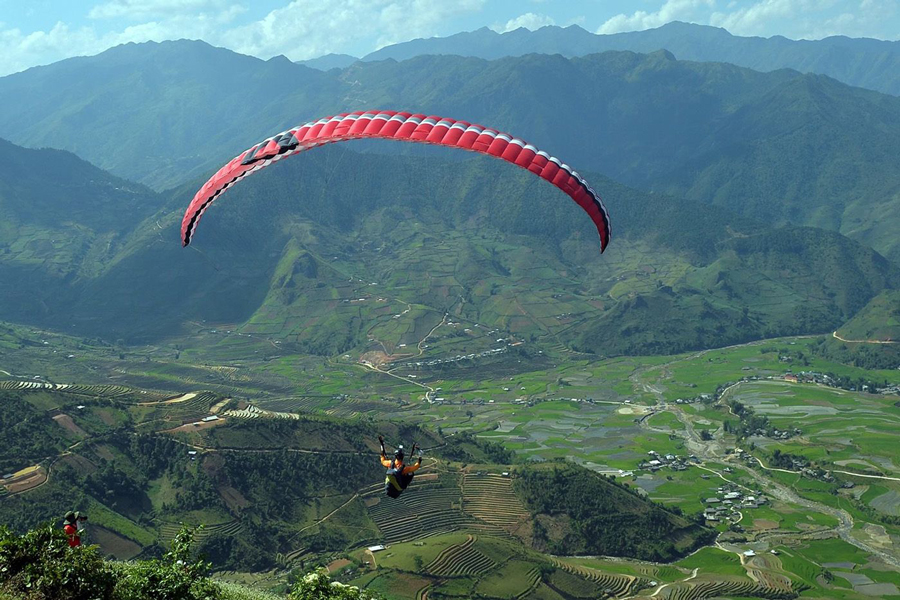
(329, 61)
(780, 147)
(862, 62)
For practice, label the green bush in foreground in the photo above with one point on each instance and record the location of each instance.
(40, 565)
(319, 586)
(174, 577)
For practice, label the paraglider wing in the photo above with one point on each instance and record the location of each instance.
(405, 127)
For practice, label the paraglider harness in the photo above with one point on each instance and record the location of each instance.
(395, 480)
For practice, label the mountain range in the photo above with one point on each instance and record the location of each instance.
(275, 254)
(861, 62)
(781, 147)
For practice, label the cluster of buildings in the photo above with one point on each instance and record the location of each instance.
(700, 398)
(892, 389)
(809, 377)
(729, 499)
(476, 401)
(659, 461)
(453, 359)
(779, 434)
(828, 380)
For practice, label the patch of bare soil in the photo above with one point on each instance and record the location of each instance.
(112, 543)
(337, 565)
(764, 524)
(79, 463)
(66, 422)
(376, 358)
(176, 400)
(233, 498)
(196, 426)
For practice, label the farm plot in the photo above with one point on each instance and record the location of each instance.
(461, 560)
(336, 406)
(26, 479)
(570, 585)
(106, 391)
(254, 412)
(491, 499)
(612, 584)
(515, 579)
(110, 542)
(188, 408)
(422, 511)
(699, 589)
(168, 531)
(855, 431)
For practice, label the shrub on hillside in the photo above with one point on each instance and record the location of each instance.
(319, 586)
(176, 576)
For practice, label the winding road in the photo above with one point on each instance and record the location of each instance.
(835, 335)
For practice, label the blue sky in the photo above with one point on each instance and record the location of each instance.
(35, 32)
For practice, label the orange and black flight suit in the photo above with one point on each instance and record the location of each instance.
(72, 533)
(398, 476)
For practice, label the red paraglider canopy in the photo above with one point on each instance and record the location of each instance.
(404, 127)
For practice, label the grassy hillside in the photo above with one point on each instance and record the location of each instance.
(258, 488)
(870, 338)
(578, 512)
(62, 219)
(878, 321)
(333, 251)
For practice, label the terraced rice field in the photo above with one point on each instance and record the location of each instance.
(168, 531)
(766, 569)
(336, 407)
(254, 412)
(491, 499)
(515, 579)
(700, 590)
(612, 584)
(85, 390)
(422, 511)
(292, 556)
(461, 560)
(192, 409)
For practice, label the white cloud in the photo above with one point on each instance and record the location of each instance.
(148, 9)
(300, 29)
(671, 10)
(309, 28)
(19, 50)
(810, 19)
(529, 20)
(754, 19)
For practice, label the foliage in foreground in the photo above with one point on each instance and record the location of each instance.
(319, 586)
(40, 565)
